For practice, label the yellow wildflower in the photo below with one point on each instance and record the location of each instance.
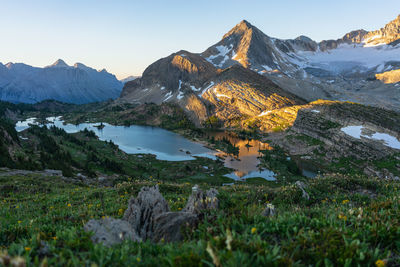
(380, 263)
(19, 222)
(345, 201)
(27, 248)
(138, 259)
(120, 211)
(253, 230)
(69, 205)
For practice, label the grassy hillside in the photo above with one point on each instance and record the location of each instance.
(347, 221)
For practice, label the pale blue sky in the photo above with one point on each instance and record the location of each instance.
(126, 36)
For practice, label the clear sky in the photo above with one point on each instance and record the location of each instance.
(124, 37)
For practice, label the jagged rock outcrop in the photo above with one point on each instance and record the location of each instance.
(269, 210)
(200, 201)
(302, 187)
(148, 218)
(110, 231)
(143, 209)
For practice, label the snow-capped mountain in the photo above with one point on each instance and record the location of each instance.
(344, 69)
(71, 84)
(249, 73)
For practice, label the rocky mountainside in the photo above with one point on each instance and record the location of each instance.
(390, 34)
(342, 69)
(72, 84)
(203, 90)
(228, 79)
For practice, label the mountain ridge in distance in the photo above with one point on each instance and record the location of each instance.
(76, 84)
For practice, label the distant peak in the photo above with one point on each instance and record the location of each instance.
(9, 64)
(304, 38)
(80, 65)
(59, 63)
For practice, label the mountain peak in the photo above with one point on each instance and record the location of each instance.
(59, 64)
(245, 23)
(242, 26)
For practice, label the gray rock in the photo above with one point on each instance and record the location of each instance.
(168, 225)
(200, 201)
(142, 210)
(110, 231)
(148, 218)
(269, 211)
(302, 187)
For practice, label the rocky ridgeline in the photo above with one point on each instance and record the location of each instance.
(148, 217)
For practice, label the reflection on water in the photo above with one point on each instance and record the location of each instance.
(247, 160)
(135, 139)
(170, 146)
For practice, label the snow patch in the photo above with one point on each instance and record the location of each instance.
(267, 68)
(264, 113)
(194, 88)
(348, 58)
(205, 89)
(22, 125)
(53, 119)
(223, 51)
(356, 132)
(221, 95)
(180, 93)
(168, 96)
